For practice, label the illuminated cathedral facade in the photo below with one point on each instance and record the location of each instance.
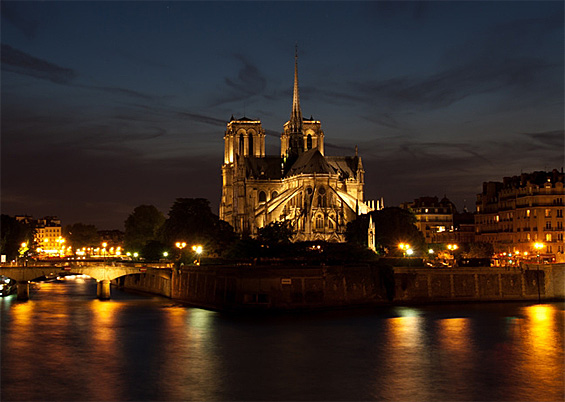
(316, 194)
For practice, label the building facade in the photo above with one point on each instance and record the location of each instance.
(47, 235)
(523, 210)
(317, 194)
(434, 217)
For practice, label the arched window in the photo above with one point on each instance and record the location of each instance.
(251, 153)
(309, 142)
(319, 222)
(274, 194)
(262, 196)
(322, 197)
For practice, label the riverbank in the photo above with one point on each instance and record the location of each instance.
(296, 288)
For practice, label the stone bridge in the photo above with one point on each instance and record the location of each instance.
(102, 272)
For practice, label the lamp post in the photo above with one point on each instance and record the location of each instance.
(538, 246)
(198, 250)
(405, 247)
(180, 245)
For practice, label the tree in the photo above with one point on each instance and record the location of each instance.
(275, 233)
(191, 220)
(81, 235)
(142, 226)
(393, 226)
(478, 250)
(13, 234)
(153, 250)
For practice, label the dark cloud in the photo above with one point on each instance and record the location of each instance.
(249, 79)
(24, 23)
(121, 91)
(16, 61)
(248, 83)
(549, 138)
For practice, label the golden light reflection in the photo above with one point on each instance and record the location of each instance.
(407, 353)
(189, 333)
(22, 315)
(454, 335)
(543, 351)
(105, 319)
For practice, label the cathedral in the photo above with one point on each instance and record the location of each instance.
(317, 194)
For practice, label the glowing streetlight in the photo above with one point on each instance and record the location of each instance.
(198, 250)
(452, 247)
(405, 247)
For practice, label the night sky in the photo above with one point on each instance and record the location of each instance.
(110, 105)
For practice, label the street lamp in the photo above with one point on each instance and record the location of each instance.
(180, 245)
(538, 246)
(198, 250)
(405, 247)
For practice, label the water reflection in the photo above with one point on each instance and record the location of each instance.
(66, 345)
(542, 353)
(406, 352)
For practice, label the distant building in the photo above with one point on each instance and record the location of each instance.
(47, 235)
(434, 217)
(317, 194)
(522, 210)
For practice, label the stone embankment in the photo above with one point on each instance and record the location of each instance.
(293, 288)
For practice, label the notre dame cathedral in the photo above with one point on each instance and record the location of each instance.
(317, 194)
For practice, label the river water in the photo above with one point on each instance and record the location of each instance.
(64, 345)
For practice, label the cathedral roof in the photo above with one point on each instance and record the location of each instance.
(266, 168)
(345, 165)
(310, 162)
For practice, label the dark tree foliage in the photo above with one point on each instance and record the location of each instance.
(477, 250)
(275, 233)
(142, 226)
(153, 250)
(13, 234)
(393, 226)
(80, 235)
(191, 220)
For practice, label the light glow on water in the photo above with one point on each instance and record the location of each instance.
(64, 344)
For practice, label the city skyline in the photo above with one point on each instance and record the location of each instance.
(107, 106)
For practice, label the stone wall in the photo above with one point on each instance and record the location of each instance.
(145, 283)
(249, 287)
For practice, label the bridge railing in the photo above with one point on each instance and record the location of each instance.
(85, 263)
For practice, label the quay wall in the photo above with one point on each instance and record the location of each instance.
(287, 288)
(145, 283)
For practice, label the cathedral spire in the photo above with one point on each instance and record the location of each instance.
(296, 114)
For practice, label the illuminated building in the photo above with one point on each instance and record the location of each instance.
(521, 210)
(434, 218)
(48, 237)
(317, 194)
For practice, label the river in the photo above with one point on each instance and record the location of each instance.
(64, 345)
